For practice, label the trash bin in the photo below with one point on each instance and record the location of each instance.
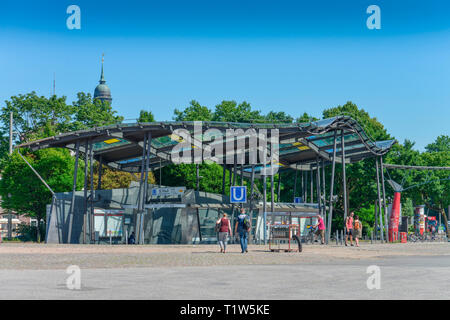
(403, 237)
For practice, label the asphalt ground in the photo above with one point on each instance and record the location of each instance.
(406, 271)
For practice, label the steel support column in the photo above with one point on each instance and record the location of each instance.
(384, 199)
(74, 188)
(100, 172)
(145, 189)
(223, 178)
(304, 184)
(197, 175)
(91, 193)
(279, 187)
(344, 178)
(264, 206)
(295, 184)
(379, 199)
(318, 188)
(252, 183)
(85, 189)
(324, 193)
(272, 195)
(333, 169)
(141, 192)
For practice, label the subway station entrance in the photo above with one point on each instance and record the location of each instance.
(248, 151)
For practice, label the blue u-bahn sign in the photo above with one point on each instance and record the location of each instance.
(238, 194)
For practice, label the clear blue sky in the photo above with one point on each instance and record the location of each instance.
(292, 56)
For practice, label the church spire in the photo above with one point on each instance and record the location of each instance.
(102, 91)
(102, 78)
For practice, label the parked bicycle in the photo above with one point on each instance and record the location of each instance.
(311, 233)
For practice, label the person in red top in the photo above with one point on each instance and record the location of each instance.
(349, 228)
(320, 229)
(224, 231)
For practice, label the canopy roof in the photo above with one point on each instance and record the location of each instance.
(121, 146)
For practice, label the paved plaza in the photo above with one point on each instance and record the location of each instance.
(408, 271)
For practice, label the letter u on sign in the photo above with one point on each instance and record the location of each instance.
(238, 194)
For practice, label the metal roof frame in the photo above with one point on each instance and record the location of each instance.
(302, 142)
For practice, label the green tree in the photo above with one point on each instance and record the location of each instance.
(305, 117)
(146, 116)
(371, 126)
(89, 113)
(278, 117)
(230, 111)
(37, 117)
(194, 112)
(442, 143)
(23, 192)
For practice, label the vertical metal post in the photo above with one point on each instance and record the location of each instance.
(265, 206)
(252, 183)
(384, 199)
(279, 187)
(304, 183)
(319, 196)
(344, 178)
(242, 174)
(324, 195)
(74, 188)
(197, 175)
(379, 200)
(160, 172)
(100, 172)
(234, 182)
(144, 197)
(333, 169)
(272, 195)
(223, 178)
(311, 182)
(198, 225)
(295, 184)
(375, 226)
(10, 132)
(234, 171)
(91, 193)
(141, 191)
(85, 187)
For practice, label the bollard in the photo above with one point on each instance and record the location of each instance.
(371, 238)
(342, 237)
(337, 237)
(110, 238)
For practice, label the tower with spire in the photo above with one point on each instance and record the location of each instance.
(102, 91)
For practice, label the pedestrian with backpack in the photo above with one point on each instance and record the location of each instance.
(243, 227)
(357, 230)
(223, 227)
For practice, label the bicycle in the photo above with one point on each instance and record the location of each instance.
(311, 233)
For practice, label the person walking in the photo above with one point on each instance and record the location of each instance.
(357, 230)
(320, 229)
(224, 229)
(131, 239)
(243, 227)
(349, 229)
